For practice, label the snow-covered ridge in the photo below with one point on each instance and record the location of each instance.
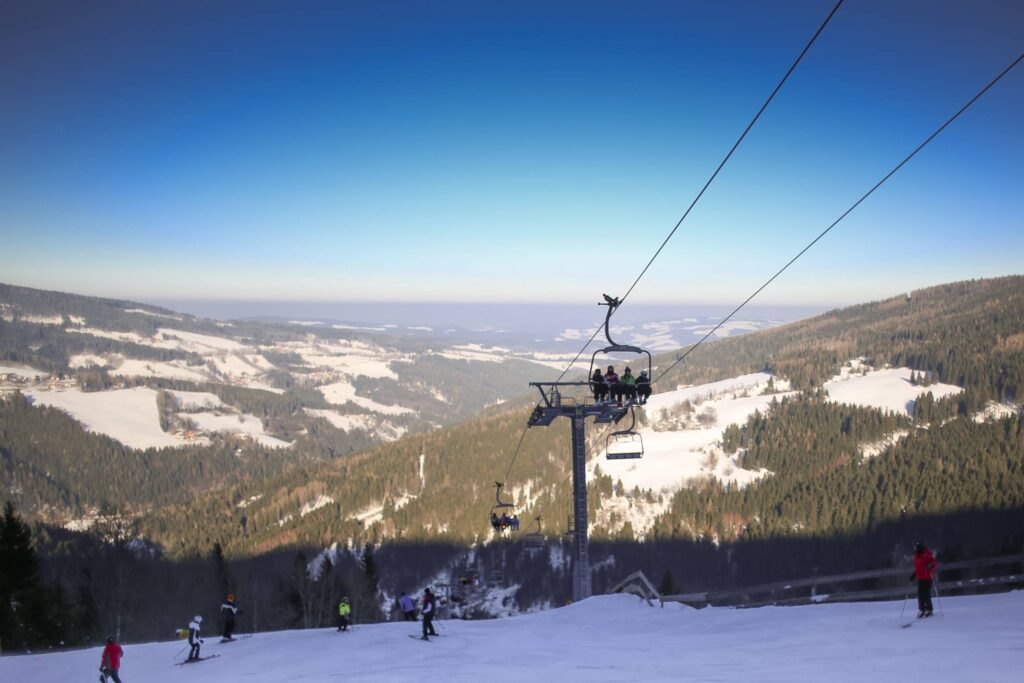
(152, 313)
(975, 639)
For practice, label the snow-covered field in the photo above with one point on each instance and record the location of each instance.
(241, 424)
(196, 399)
(128, 415)
(131, 416)
(23, 371)
(175, 369)
(606, 638)
(341, 393)
(887, 389)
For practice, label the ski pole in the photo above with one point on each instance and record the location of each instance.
(935, 585)
(178, 654)
(907, 597)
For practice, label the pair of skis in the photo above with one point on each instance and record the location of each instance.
(911, 623)
(196, 661)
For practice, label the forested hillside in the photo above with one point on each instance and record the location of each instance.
(968, 333)
(439, 485)
(314, 395)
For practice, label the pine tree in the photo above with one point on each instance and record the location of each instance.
(220, 570)
(23, 607)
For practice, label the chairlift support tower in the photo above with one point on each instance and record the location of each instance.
(551, 407)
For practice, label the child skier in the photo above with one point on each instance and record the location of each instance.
(193, 639)
(344, 611)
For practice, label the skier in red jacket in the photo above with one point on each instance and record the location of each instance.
(110, 662)
(925, 565)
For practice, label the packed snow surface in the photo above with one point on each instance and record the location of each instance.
(605, 638)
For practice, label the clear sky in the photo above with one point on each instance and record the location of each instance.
(503, 151)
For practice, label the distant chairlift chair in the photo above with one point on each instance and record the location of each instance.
(500, 506)
(536, 539)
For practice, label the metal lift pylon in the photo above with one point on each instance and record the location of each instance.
(551, 407)
(543, 415)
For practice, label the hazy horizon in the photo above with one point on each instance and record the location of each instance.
(505, 151)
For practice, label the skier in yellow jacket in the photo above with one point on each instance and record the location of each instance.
(344, 612)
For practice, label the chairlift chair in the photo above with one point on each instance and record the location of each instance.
(497, 497)
(499, 506)
(536, 539)
(625, 444)
(613, 347)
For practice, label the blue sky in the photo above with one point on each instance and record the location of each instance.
(503, 151)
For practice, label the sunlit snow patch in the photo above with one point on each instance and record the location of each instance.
(341, 393)
(681, 446)
(888, 389)
(126, 415)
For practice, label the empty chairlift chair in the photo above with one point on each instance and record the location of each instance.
(536, 539)
(625, 444)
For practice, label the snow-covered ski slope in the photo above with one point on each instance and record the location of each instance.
(607, 638)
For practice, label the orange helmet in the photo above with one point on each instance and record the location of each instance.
(231, 597)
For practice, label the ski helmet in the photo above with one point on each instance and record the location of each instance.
(110, 639)
(231, 597)
(918, 547)
(198, 619)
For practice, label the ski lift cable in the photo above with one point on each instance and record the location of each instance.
(516, 453)
(696, 199)
(848, 211)
(733, 148)
(714, 175)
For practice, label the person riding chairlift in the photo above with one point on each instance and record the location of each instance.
(628, 384)
(611, 378)
(643, 387)
(599, 387)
